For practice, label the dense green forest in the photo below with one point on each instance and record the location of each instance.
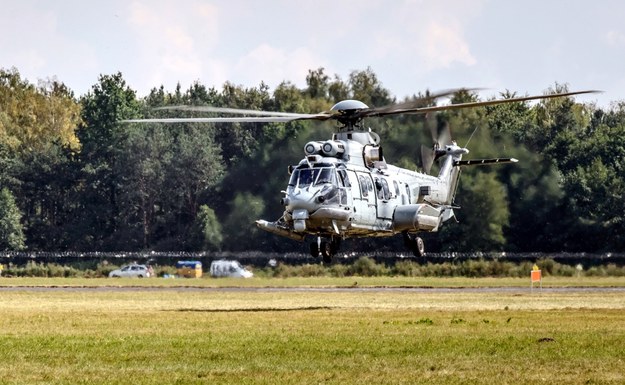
(73, 178)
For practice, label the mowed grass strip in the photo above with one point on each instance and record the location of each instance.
(548, 281)
(299, 337)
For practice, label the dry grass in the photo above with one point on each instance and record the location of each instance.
(275, 336)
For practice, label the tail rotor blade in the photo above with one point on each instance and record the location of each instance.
(427, 158)
(444, 135)
(432, 124)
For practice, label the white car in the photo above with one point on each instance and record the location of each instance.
(230, 269)
(135, 271)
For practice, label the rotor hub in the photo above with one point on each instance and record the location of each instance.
(349, 112)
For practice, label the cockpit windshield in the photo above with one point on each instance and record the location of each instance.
(313, 176)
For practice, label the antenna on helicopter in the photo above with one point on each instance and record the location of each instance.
(471, 137)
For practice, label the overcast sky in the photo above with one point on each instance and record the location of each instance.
(411, 45)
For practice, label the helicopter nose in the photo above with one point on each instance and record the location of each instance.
(300, 202)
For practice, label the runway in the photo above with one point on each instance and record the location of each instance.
(350, 289)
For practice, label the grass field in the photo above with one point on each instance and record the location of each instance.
(265, 336)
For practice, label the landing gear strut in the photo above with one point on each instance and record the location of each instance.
(327, 248)
(414, 244)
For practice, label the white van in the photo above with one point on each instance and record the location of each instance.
(229, 269)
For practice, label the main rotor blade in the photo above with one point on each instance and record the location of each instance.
(243, 119)
(410, 105)
(422, 110)
(236, 111)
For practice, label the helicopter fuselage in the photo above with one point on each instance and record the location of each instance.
(343, 188)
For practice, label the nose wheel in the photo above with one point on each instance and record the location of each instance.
(327, 248)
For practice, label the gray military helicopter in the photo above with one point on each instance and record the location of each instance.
(343, 187)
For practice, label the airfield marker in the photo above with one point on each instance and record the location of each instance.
(536, 276)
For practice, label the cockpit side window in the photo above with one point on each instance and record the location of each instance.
(327, 175)
(344, 179)
(294, 178)
(307, 177)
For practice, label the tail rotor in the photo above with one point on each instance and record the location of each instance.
(441, 136)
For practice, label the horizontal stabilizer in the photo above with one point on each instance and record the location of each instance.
(480, 162)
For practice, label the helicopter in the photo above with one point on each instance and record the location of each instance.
(344, 188)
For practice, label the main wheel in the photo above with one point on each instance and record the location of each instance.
(414, 244)
(327, 251)
(314, 249)
(418, 248)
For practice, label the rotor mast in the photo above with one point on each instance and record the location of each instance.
(350, 114)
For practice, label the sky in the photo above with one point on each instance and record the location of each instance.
(411, 45)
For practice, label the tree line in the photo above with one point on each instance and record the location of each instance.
(72, 177)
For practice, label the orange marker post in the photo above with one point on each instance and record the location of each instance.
(536, 276)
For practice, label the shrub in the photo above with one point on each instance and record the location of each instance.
(161, 271)
(475, 268)
(309, 270)
(615, 271)
(366, 267)
(407, 269)
(285, 271)
(547, 266)
(338, 270)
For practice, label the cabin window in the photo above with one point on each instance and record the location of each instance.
(381, 186)
(386, 190)
(366, 187)
(363, 186)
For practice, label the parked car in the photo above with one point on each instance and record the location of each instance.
(134, 271)
(231, 269)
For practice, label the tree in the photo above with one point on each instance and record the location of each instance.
(97, 214)
(209, 229)
(368, 89)
(318, 84)
(246, 208)
(32, 117)
(483, 215)
(239, 140)
(37, 141)
(338, 90)
(170, 172)
(11, 234)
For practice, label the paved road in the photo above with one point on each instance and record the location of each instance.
(314, 289)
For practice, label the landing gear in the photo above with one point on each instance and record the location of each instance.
(327, 248)
(314, 249)
(414, 244)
